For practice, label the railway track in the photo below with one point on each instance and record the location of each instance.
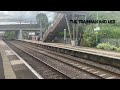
(90, 69)
(67, 70)
(45, 70)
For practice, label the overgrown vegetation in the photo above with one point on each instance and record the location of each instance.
(108, 46)
(111, 31)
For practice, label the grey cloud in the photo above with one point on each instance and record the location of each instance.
(14, 16)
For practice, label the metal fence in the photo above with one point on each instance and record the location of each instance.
(115, 42)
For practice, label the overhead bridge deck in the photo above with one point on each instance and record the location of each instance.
(104, 57)
(15, 27)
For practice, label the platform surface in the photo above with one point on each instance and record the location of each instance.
(12, 66)
(78, 48)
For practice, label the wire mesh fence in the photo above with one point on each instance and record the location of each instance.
(115, 42)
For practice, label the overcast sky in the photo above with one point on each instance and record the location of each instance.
(13, 17)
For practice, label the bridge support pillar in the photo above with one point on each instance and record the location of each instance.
(19, 34)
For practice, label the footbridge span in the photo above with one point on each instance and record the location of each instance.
(19, 28)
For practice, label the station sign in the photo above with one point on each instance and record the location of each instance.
(97, 29)
(32, 33)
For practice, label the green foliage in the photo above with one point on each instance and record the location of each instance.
(89, 36)
(107, 30)
(106, 46)
(9, 34)
(108, 15)
(43, 18)
(115, 33)
(24, 34)
(118, 49)
(61, 34)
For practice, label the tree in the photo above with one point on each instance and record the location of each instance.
(9, 34)
(89, 37)
(107, 30)
(43, 18)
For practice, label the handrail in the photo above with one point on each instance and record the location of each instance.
(50, 27)
(53, 22)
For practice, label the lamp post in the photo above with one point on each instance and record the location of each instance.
(96, 30)
(73, 26)
(65, 36)
(97, 19)
(40, 30)
(76, 29)
(96, 33)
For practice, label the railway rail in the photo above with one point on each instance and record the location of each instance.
(45, 70)
(60, 58)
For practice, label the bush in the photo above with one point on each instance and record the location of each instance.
(114, 47)
(118, 49)
(89, 36)
(106, 46)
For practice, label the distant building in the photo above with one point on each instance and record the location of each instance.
(33, 36)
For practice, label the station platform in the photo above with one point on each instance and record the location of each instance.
(93, 54)
(78, 48)
(12, 66)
